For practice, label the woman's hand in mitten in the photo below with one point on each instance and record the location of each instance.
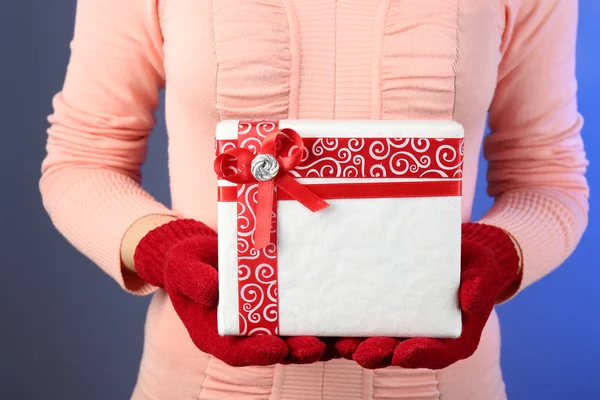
(181, 257)
(490, 267)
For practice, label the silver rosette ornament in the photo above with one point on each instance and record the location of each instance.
(264, 167)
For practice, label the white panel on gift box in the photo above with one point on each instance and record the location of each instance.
(361, 267)
(374, 267)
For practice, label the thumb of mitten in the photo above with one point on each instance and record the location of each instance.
(190, 271)
(479, 277)
(151, 254)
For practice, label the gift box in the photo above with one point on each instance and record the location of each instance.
(339, 228)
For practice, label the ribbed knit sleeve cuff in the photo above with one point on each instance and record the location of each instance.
(546, 222)
(505, 250)
(93, 209)
(151, 252)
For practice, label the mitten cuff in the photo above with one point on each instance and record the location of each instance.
(496, 239)
(150, 253)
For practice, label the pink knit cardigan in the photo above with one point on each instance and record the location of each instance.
(314, 59)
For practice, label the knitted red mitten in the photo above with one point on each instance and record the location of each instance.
(181, 257)
(490, 266)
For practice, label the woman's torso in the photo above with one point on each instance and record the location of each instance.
(316, 59)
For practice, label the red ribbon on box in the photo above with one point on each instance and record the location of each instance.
(270, 172)
(265, 159)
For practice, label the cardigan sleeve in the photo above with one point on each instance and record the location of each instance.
(99, 127)
(535, 151)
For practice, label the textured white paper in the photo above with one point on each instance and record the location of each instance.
(361, 267)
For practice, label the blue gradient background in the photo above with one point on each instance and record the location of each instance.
(68, 332)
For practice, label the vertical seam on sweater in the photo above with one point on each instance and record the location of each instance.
(368, 375)
(502, 10)
(362, 375)
(162, 5)
(204, 377)
(377, 67)
(294, 43)
(323, 381)
(455, 69)
(276, 379)
(214, 39)
(456, 58)
(335, 57)
(437, 384)
(159, 7)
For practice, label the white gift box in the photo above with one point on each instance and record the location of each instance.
(382, 260)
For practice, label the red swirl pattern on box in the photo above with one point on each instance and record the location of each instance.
(425, 158)
(372, 157)
(257, 269)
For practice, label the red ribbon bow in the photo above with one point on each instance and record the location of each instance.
(242, 174)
